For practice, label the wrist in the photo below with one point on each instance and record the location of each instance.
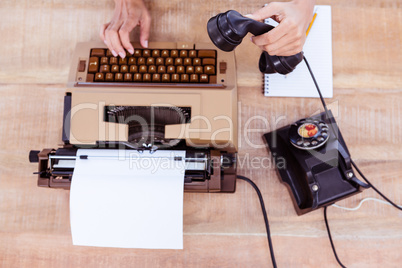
(304, 2)
(134, 1)
(306, 7)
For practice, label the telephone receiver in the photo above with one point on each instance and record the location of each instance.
(228, 29)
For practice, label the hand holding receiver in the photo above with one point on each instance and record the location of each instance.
(228, 29)
(289, 36)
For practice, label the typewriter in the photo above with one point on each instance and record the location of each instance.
(169, 96)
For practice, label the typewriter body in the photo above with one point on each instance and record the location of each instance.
(170, 96)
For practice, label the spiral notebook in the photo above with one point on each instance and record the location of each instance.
(318, 51)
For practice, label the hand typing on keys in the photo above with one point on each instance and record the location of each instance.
(127, 15)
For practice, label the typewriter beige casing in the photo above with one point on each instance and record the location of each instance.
(213, 109)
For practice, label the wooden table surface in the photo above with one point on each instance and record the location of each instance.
(220, 230)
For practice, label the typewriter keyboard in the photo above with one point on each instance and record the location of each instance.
(165, 66)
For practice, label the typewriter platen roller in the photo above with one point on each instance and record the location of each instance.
(206, 170)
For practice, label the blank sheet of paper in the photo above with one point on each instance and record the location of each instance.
(121, 198)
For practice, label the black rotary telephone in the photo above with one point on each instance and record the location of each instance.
(310, 155)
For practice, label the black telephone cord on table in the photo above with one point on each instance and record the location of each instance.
(330, 238)
(372, 186)
(264, 213)
(353, 164)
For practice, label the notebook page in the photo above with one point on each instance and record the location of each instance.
(318, 51)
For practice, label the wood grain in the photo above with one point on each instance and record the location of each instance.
(221, 230)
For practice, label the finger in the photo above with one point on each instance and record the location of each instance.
(102, 32)
(287, 46)
(124, 33)
(266, 12)
(145, 25)
(289, 50)
(113, 41)
(109, 43)
(271, 37)
(289, 43)
(285, 27)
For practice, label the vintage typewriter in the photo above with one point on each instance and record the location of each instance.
(170, 96)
